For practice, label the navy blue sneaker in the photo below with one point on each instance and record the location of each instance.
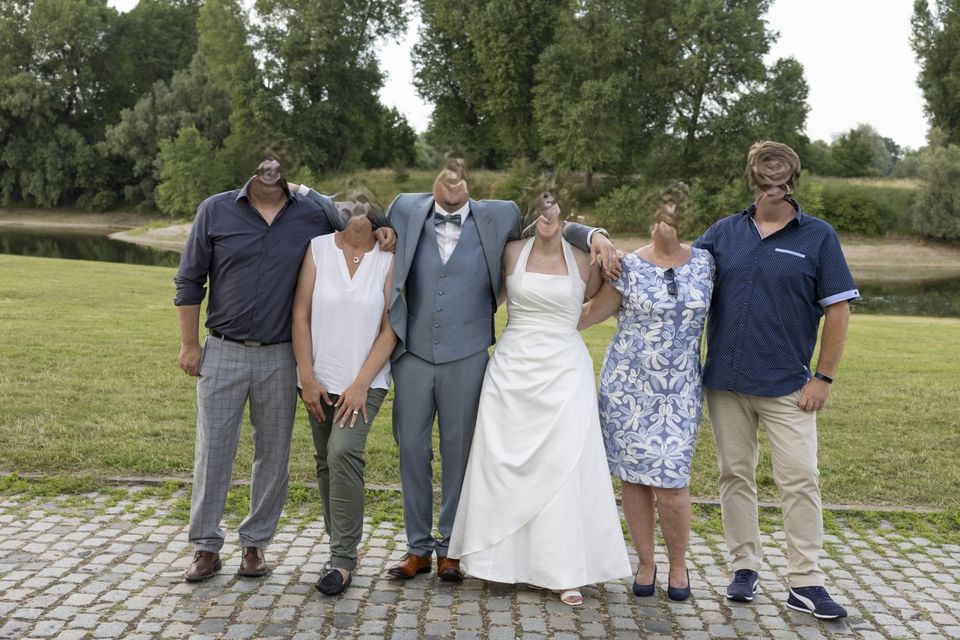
(744, 585)
(817, 601)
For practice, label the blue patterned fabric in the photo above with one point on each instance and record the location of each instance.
(651, 396)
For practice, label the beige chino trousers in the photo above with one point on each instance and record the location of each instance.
(792, 434)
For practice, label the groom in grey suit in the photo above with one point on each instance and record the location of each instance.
(446, 285)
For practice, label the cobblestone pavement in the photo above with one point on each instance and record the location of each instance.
(113, 569)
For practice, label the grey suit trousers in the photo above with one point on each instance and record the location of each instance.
(451, 393)
(232, 374)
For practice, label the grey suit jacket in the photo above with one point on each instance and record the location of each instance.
(498, 222)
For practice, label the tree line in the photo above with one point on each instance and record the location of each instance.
(176, 99)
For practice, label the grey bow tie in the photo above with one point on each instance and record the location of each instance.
(439, 218)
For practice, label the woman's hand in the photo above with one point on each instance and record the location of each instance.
(351, 404)
(313, 392)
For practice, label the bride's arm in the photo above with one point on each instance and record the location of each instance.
(511, 253)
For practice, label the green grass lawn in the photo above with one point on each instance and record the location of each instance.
(89, 385)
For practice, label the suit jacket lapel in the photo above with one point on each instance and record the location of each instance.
(414, 228)
(488, 240)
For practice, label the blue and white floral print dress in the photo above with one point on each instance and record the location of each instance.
(651, 392)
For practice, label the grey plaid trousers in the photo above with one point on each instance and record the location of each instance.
(231, 374)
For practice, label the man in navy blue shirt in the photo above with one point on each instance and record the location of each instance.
(779, 270)
(248, 244)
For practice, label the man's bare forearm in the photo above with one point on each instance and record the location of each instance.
(189, 324)
(833, 338)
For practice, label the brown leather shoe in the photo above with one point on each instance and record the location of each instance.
(449, 569)
(253, 564)
(410, 565)
(205, 565)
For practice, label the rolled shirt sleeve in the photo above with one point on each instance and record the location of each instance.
(191, 278)
(834, 280)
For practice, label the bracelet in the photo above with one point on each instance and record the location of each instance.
(820, 376)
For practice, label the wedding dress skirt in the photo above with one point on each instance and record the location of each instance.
(537, 504)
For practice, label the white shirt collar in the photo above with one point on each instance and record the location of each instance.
(464, 211)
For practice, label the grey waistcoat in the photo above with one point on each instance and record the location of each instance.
(450, 306)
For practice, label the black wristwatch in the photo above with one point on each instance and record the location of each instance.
(820, 376)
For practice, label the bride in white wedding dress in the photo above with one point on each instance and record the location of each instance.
(537, 503)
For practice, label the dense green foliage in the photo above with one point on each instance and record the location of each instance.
(94, 103)
(936, 42)
(860, 152)
(936, 211)
(178, 99)
(856, 210)
(670, 89)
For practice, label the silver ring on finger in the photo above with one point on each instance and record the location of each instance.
(356, 411)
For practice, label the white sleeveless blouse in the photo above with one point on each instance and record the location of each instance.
(346, 314)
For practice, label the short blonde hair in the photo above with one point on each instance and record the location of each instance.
(772, 163)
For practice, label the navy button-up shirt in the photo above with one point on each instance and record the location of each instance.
(252, 266)
(768, 299)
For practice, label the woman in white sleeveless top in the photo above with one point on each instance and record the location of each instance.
(342, 342)
(537, 503)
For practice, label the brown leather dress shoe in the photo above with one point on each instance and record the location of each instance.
(253, 564)
(410, 565)
(449, 569)
(205, 565)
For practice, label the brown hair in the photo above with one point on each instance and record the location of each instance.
(358, 201)
(672, 204)
(772, 163)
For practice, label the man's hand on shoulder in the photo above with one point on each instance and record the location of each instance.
(189, 359)
(387, 238)
(813, 395)
(603, 251)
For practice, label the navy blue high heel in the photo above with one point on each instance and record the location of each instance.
(678, 594)
(645, 590)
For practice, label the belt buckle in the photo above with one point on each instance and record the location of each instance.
(252, 343)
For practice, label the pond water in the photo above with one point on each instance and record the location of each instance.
(934, 298)
(80, 245)
(939, 298)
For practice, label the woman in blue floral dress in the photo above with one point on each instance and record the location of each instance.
(651, 397)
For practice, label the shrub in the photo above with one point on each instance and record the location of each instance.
(855, 210)
(625, 208)
(936, 210)
(189, 173)
(518, 179)
(401, 173)
(711, 205)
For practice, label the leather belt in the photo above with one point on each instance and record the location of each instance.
(247, 343)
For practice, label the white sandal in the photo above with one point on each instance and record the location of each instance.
(571, 597)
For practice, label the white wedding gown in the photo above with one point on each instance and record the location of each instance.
(537, 503)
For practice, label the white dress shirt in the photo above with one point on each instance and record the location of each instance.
(448, 234)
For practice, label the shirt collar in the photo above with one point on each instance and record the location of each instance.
(245, 192)
(464, 211)
(801, 217)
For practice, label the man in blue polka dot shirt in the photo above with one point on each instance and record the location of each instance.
(779, 270)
